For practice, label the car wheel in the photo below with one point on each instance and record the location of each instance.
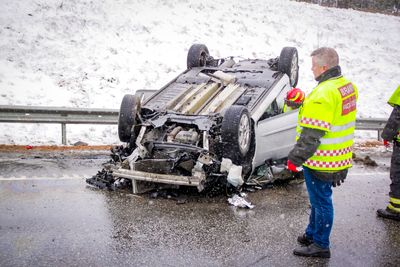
(236, 134)
(197, 56)
(130, 107)
(289, 63)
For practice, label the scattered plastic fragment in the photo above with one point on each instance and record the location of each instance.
(235, 176)
(240, 201)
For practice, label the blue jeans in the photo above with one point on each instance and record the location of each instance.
(321, 216)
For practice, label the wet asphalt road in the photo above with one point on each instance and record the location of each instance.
(49, 217)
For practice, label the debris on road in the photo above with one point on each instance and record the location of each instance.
(240, 201)
(366, 160)
(230, 182)
(267, 174)
(104, 178)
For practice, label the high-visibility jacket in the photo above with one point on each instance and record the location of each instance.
(331, 107)
(395, 100)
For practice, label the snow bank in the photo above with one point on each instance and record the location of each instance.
(90, 53)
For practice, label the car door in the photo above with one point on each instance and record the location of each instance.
(275, 133)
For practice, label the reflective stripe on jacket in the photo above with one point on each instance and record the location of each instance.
(331, 107)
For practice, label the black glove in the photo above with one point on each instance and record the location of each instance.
(337, 182)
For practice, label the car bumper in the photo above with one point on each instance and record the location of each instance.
(136, 176)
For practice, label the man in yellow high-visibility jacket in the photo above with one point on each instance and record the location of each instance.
(325, 134)
(391, 133)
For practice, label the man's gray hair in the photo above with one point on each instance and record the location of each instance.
(326, 56)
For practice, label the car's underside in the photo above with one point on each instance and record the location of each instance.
(198, 130)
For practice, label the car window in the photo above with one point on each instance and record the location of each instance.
(271, 110)
(276, 106)
(280, 99)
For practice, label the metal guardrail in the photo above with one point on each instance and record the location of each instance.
(374, 124)
(64, 116)
(60, 115)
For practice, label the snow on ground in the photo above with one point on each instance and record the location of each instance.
(90, 53)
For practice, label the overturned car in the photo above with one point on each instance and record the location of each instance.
(215, 123)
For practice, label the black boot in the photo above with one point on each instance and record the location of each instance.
(304, 240)
(313, 250)
(389, 214)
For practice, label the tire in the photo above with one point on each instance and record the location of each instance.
(197, 56)
(289, 63)
(236, 134)
(130, 106)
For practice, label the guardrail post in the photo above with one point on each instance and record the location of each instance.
(63, 133)
(379, 135)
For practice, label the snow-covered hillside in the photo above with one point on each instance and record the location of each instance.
(80, 53)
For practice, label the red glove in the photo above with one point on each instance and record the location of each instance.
(386, 143)
(292, 167)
